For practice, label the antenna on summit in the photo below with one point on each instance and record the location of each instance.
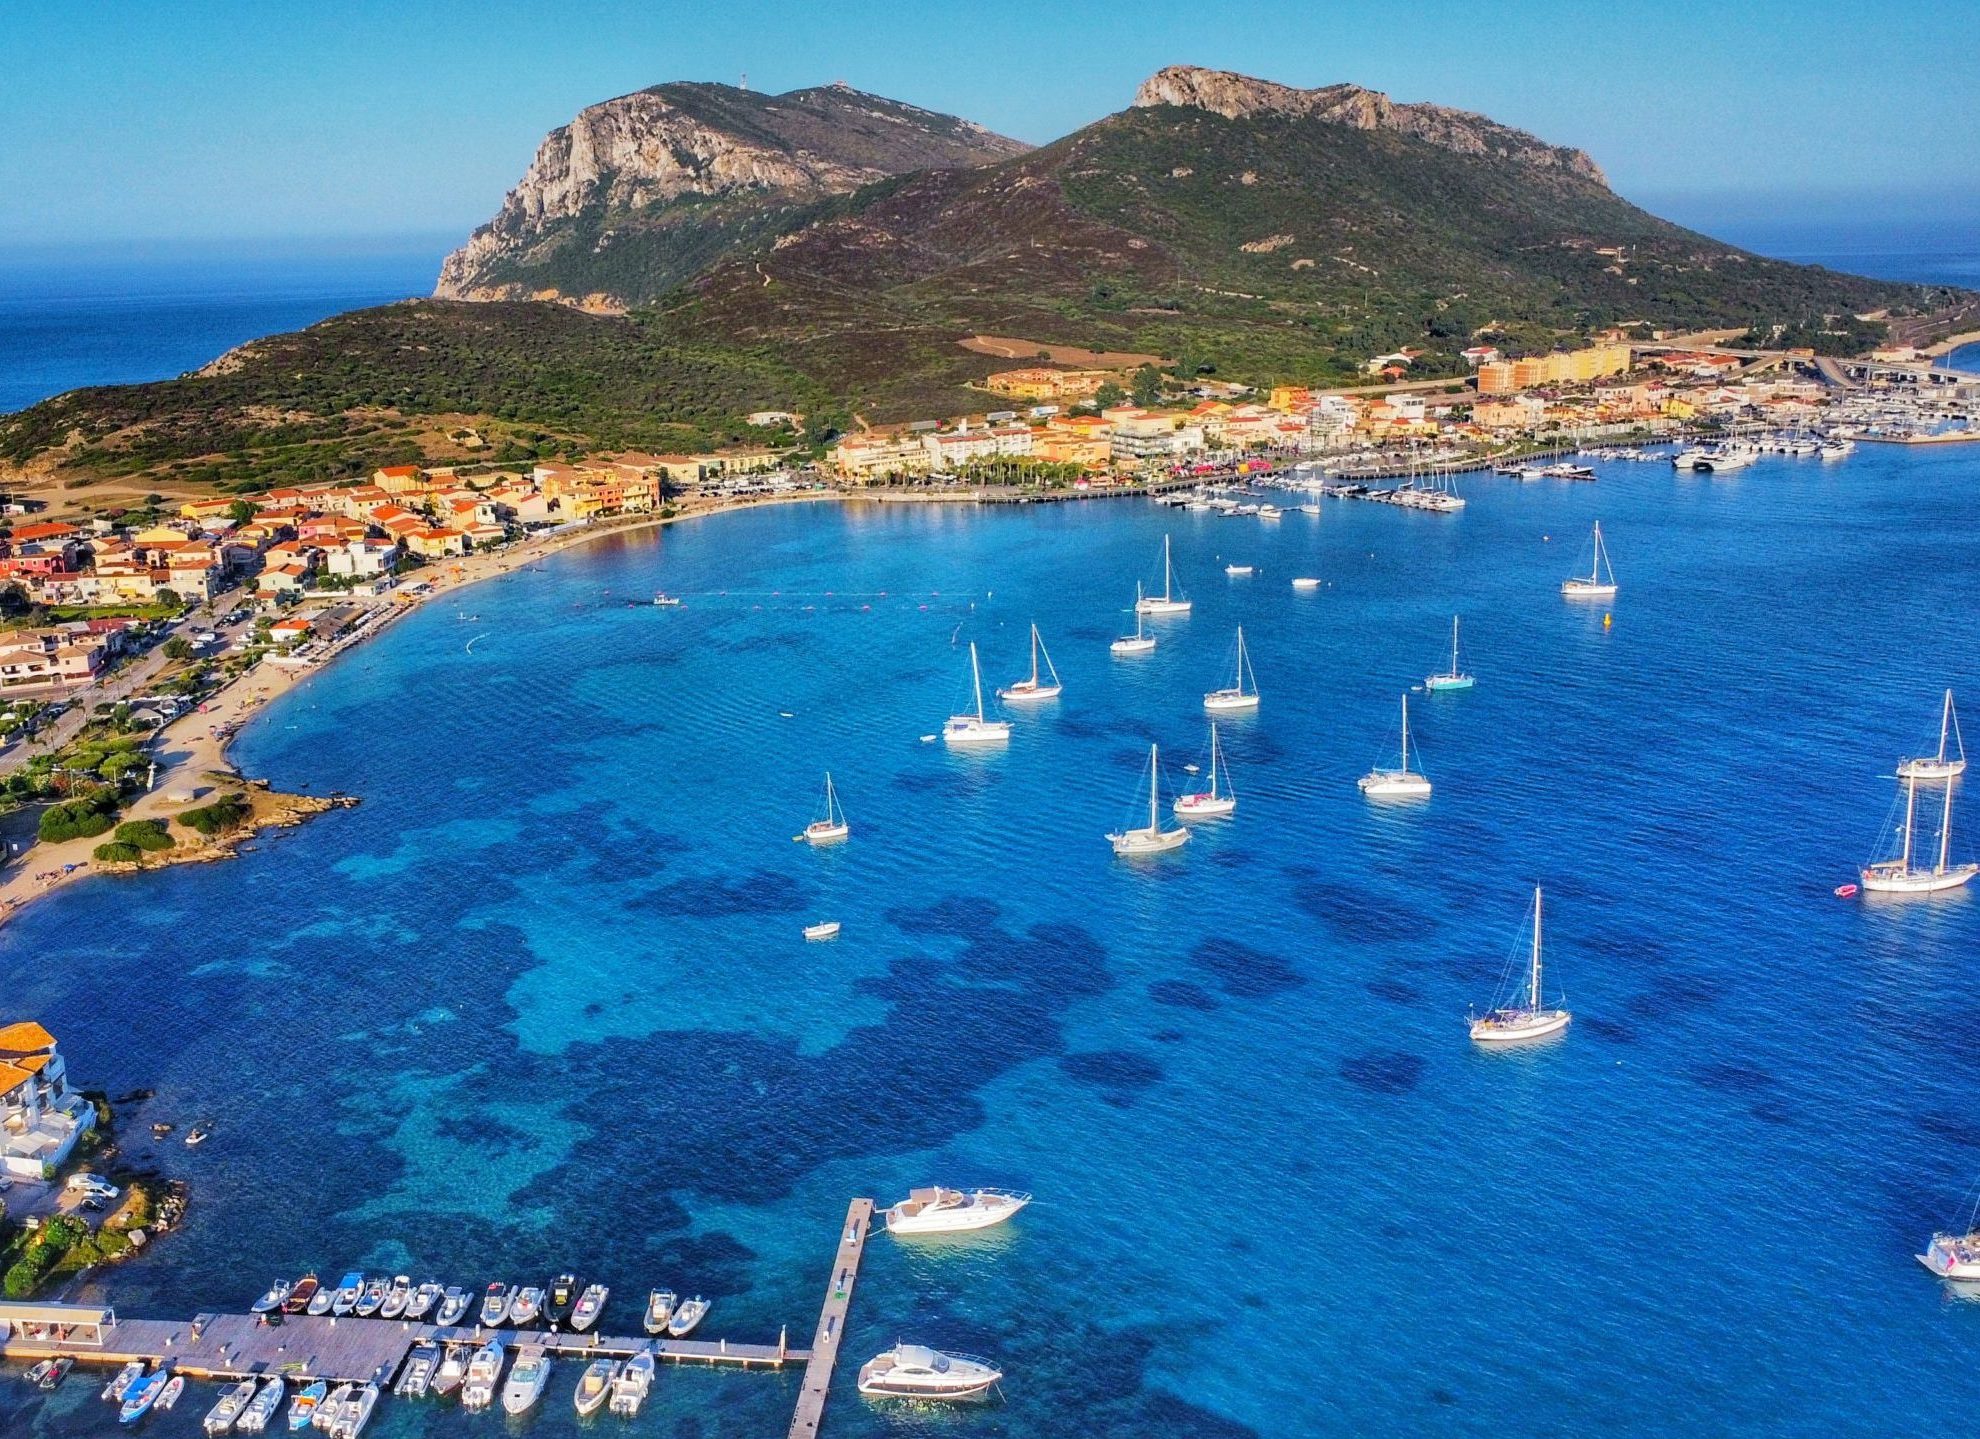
(744, 85)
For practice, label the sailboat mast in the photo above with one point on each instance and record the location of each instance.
(1238, 683)
(1213, 760)
(1454, 625)
(1945, 828)
(1405, 717)
(1154, 776)
(1945, 723)
(1910, 809)
(1034, 656)
(1534, 1001)
(976, 680)
(1167, 585)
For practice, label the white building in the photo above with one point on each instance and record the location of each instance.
(41, 1118)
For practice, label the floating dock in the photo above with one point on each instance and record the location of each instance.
(832, 1321)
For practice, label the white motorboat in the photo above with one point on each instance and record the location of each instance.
(824, 929)
(1240, 570)
(973, 728)
(146, 1392)
(123, 1379)
(1168, 602)
(350, 1289)
(595, 1387)
(526, 1307)
(262, 1408)
(1836, 449)
(332, 1409)
(659, 1309)
(833, 827)
(422, 1301)
(1269, 512)
(302, 1408)
(322, 1299)
(1453, 678)
(1900, 874)
(1956, 1256)
(1219, 799)
(1307, 582)
(527, 1379)
(1036, 686)
(167, 1397)
(357, 1413)
(1138, 643)
(590, 1305)
(495, 1305)
(484, 1371)
(935, 1210)
(454, 1305)
(1947, 762)
(276, 1296)
(417, 1377)
(1526, 1015)
(1600, 581)
(914, 1371)
(1152, 839)
(451, 1371)
(397, 1296)
(1242, 692)
(1399, 783)
(635, 1381)
(688, 1315)
(220, 1419)
(372, 1299)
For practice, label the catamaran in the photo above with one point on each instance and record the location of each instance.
(1942, 765)
(833, 827)
(1037, 687)
(1214, 802)
(1236, 696)
(1526, 1016)
(1401, 783)
(1140, 642)
(1168, 602)
(974, 729)
(1153, 839)
(1600, 581)
(1454, 678)
(1899, 875)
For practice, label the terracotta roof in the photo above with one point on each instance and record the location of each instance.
(24, 1037)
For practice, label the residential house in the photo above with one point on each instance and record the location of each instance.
(41, 1117)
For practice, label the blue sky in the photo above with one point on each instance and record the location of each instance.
(199, 119)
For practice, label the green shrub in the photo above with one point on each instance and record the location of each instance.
(116, 852)
(223, 814)
(77, 819)
(147, 834)
(54, 1240)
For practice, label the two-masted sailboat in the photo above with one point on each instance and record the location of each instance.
(1947, 762)
(1525, 1015)
(1902, 874)
(1151, 839)
(833, 827)
(1140, 642)
(1219, 799)
(1453, 678)
(1038, 685)
(973, 728)
(1242, 692)
(1399, 783)
(1600, 581)
(1168, 602)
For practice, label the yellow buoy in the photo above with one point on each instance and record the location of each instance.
(1607, 620)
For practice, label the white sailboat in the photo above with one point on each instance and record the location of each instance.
(1944, 764)
(1153, 839)
(1899, 875)
(1600, 581)
(1140, 642)
(1454, 678)
(1168, 602)
(1526, 1016)
(1401, 783)
(1236, 696)
(1038, 686)
(832, 828)
(1216, 801)
(973, 728)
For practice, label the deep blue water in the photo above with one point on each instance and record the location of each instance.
(541, 1001)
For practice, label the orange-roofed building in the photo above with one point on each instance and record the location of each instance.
(41, 1117)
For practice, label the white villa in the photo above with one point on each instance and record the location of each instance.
(41, 1118)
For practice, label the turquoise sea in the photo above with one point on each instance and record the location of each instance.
(541, 1001)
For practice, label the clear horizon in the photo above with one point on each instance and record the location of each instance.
(374, 121)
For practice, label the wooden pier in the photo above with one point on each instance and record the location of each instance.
(832, 1321)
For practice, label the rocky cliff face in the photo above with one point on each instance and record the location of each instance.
(619, 169)
(1237, 96)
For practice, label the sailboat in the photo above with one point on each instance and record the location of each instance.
(1403, 783)
(1153, 839)
(1898, 875)
(1140, 642)
(1527, 1016)
(1600, 581)
(1455, 679)
(1214, 802)
(1941, 765)
(1168, 602)
(974, 729)
(1036, 687)
(832, 828)
(1236, 697)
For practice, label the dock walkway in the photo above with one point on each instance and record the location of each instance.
(832, 1321)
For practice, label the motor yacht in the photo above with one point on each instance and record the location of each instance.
(635, 1381)
(451, 1371)
(914, 1371)
(936, 1210)
(526, 1381)
(372, 1300)
(483, 1373)
(276, 1296)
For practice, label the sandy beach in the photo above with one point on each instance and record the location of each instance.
(194, 746)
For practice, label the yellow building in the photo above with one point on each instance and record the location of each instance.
(1287, 398)
(1040, 383)
(1563, 367)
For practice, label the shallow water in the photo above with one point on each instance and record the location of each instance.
(541, 1001)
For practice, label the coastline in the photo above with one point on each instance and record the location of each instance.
(1942, 348)
(192, 751)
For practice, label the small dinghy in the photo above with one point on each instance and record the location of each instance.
(418, 1375)
(220, 1418)
(659, 1309)
(687, 1317)
(165, 1400)
(590, 1305)
(262, 1408)
(276, 1296)
(423, 1299)
(397, 1295)
(595, 1387)
(526, 1307)
(495, 1305)
(302, 1408)
(827, 929)
(454, 1305)
(139, 1398)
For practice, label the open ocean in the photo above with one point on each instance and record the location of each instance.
(541, 1002)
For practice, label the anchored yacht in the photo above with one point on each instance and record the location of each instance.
(1216, 801)
(1036, 686)
(1400, 783)
(1153, 839)
(914, 1371)
(1600, 581)
(935, 1210)
(974, 728)
(1526, 1015)
(1242, 692)
(1168, 602)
